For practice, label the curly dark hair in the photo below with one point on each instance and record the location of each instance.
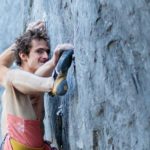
(23, 43)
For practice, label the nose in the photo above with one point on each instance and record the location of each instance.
(45, 55)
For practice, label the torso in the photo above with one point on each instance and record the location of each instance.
(24, 106)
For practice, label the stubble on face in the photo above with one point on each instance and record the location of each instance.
(38, 55)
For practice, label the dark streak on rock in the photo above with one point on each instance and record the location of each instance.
(77, 13)
(66, 5)
(132, 12)
(31, 3)
(99, 9)
(60, 4)
(95, 139)
(97, 20)
(95, 56)
(135, 83)
(90, 76)
(112, 44)
(91, 32)
(147, 1)
(59, 130)
(109, 28)
(113, 147)
(29, 13)
(100, 112)
(110, 141)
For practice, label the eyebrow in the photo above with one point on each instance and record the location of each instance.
(47, 50)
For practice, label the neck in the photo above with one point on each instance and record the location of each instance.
(26, 68)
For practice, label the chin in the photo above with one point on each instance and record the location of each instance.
(42, 63)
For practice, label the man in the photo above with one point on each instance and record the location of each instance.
(22, 100)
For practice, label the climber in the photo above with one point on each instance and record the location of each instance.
(22, 100)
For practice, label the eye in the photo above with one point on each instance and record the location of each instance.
(40, 51)
(48, 51)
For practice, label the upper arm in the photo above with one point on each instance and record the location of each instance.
(25, 82)
(28, 83)
(3, 73)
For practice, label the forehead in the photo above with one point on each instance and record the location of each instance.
(36, 44)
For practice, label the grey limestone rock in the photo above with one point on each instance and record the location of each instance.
(107, 105)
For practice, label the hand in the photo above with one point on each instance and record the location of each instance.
(59, 48)
(36, 25)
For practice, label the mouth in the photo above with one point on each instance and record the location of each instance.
(43, 61)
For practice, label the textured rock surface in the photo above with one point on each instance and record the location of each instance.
(107, 106)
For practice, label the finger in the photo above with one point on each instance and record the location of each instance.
(37, 22)
(68, 46)
(40, 26)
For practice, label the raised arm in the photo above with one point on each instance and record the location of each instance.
(8, 56)
(23, 81)
(46, 69)
(6, 60)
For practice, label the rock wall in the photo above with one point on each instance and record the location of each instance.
(107, 105)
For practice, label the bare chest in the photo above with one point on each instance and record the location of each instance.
(37, 102)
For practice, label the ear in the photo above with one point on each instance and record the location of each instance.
(23, 56)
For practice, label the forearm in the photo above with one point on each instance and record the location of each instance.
(28, 83)
(7, 57)
(46, 69)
